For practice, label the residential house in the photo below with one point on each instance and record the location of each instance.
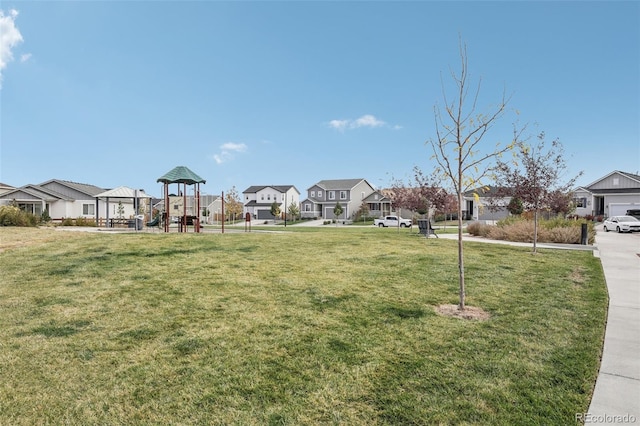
(65, 199)
(378, 204)
(258, 199)
(5, 188)
(611, 195)
(60, 198)
(350, 193)
(484, 204)
(212, 208)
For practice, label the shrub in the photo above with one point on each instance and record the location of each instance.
(556, 230)
(83, 221)
(45, 218)
(13, 216)
(478, 229)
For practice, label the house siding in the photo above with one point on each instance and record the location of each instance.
(322, 205)
(615, 181)
(611, 195)
(258, 199)
(69, 192)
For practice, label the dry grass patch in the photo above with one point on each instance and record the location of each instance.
(469, 313)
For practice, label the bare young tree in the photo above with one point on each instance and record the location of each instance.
(536, 176)
(457, 149)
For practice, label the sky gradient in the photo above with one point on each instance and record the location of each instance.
(279, 93)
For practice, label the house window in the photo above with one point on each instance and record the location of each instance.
(343, 195)
(307, 207)
(319, 194)
(262, 197)
(580, 202)
(313, 194)
(616, 181)
(88, 209)
(269, 197)
(332, 195)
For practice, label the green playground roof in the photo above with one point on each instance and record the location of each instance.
(181, 174)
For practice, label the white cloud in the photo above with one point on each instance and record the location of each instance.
(227, 150)
(230, 146)
(9, 37)
(25, 57)
(339, 124)
(366, 120)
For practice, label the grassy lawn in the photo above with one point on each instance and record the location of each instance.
(320, 325)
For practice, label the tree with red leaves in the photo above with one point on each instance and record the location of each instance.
(537, 177)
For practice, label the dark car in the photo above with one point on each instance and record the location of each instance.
(634, 212)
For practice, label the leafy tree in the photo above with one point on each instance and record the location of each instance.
(430, 191)
(275, 210)
(363, 211)
(457, 148)
(424, 195)
(120, 210)
(536, 176)
(232, 204)
(561, 203)
(294, 210)
(45, 218)
(449, 206)
(337, 211)
(515, 206)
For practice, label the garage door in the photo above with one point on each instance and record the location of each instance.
(265, 214)
(618, 209)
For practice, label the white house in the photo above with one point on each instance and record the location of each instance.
(259, 198)
(61, 199)
(65, 199)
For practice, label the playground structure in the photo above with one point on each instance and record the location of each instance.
(176, 206)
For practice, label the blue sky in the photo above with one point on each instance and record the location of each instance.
(259, 93)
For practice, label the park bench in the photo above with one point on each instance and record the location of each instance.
(425, 228)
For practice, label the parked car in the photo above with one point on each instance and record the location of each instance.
(622, 224)
(634, 212)
(392, 221)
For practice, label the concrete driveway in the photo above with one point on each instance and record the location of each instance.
(616, 399)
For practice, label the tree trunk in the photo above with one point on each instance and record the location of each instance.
(461, 306)
(535, 231)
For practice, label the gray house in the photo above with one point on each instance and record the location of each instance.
(324, 195)
(611, 195)
(483, 204)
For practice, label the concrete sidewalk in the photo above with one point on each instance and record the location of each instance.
(616, 398)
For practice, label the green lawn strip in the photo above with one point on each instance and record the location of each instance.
(303, 327)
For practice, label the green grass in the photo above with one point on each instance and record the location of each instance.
(308, 326)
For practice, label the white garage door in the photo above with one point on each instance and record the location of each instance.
(618, 209)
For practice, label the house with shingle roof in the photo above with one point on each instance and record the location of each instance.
(611, 195)
(5, 188)
(258, 199)
(62, 199)
(350, 193)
